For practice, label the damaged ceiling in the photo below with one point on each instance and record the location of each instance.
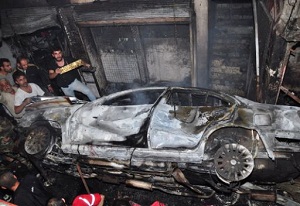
(286, 14)
(33, 19)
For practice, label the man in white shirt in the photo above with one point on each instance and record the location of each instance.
(25, 91)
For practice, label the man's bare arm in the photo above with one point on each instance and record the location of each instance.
(19, 109)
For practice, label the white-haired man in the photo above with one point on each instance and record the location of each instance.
(7, 98)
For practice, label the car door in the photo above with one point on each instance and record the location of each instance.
(180, 120)
(113, 121)
(108, 129)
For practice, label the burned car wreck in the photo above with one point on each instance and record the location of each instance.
(184, 141)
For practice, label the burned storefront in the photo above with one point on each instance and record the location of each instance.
(197, 100)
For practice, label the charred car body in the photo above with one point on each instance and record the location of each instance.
(169, 139)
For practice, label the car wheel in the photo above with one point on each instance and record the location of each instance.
(38, 140)
(233, 163)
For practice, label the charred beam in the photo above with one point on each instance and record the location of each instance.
(132, 13)
(72, 33)
(201, 10)
(169, 20)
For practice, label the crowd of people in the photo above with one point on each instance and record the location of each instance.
(17, 87)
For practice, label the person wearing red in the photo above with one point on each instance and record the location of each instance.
(95, 199)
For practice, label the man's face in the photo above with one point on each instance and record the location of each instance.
(57, 55)
(22, 81)
(5, 86)
(23, 64)
(7, 67)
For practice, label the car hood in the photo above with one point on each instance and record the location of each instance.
(55, 111)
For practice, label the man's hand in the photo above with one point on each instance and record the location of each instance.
(27, 101)
(87, 65)
(58, 71)
(53, 73)
(88, 68)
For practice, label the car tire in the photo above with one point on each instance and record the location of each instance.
(38, 140)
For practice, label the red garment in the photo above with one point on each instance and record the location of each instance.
(87, 200)
(157, 203)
